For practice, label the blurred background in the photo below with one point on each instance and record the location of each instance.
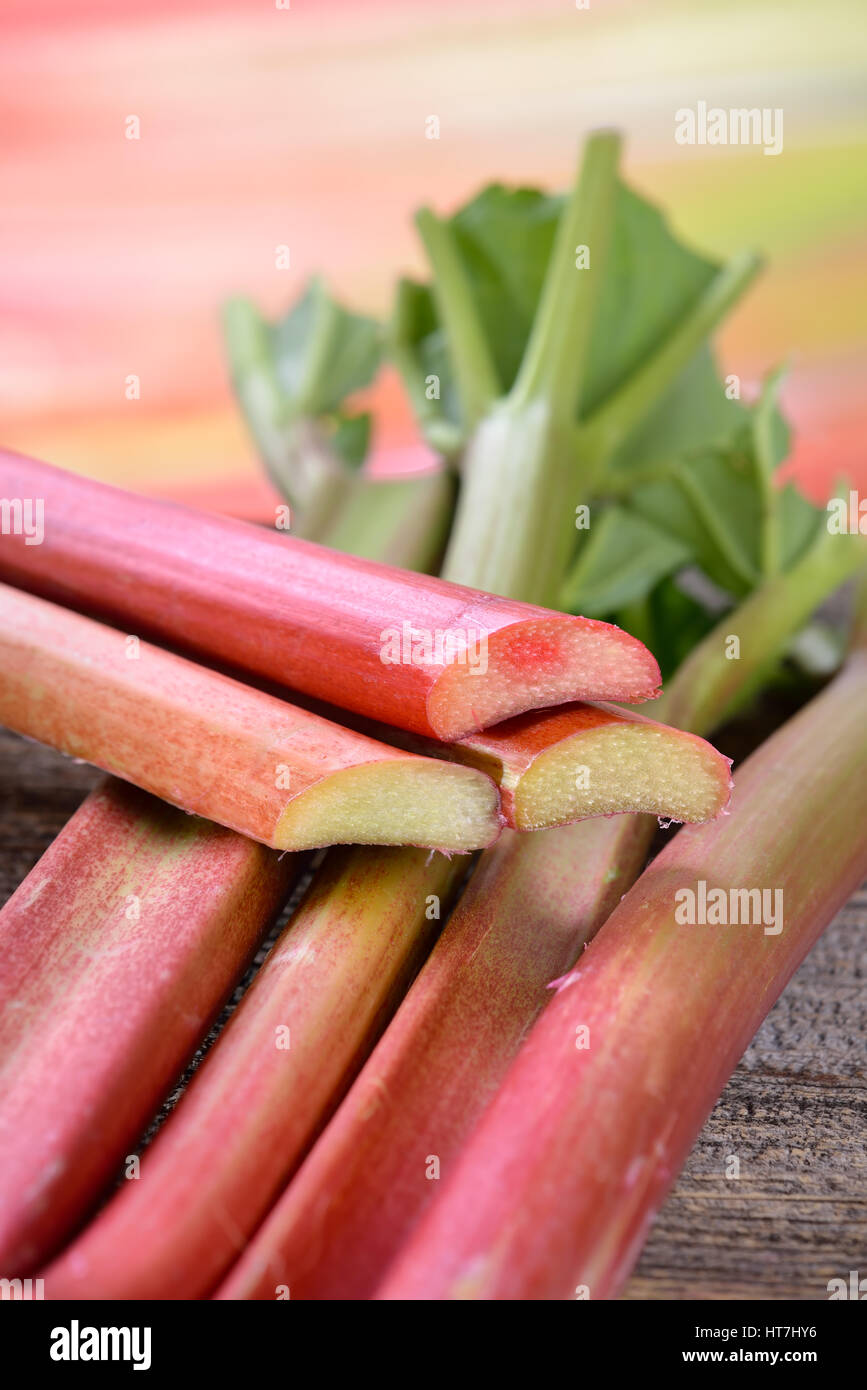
(305, 126)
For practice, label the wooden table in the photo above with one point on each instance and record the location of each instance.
(793, 1113)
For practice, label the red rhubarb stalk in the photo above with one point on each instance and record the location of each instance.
(516, 495)
(223, 750)
(435, 658)
(201, 887)
(118, 950)
(553, 1195)
(271, 1080)
(366, 1181)
(518, 924)
(460, 1026)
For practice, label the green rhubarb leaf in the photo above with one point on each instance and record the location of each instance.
(301, 368)
(418, 347)
(721, 507)
(669, 621)
(350, 439)
(709, 504)
(503, 239)
(623, 558)
(799, 522)
(651, 281)
(694, 415)
(322, 352)
(723, 503)
(291, 379)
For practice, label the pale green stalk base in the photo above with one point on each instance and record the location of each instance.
(396, 521)
(506, 539)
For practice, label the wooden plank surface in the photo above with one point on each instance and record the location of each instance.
(793, 1114)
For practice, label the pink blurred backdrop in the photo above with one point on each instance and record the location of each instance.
(306, 126)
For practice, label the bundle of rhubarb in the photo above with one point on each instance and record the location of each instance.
(400, 1103)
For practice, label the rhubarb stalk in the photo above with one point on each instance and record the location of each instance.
(411, 650)
(481, 989)
(451, 1040)
(553, 1195)
(134, 1076)
(519, 501)
(518, 924)
(223, 750)
(118, 950)
(272, 1078)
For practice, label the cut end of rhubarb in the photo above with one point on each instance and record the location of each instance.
(535, 664)
(623, 768)
(405, 802)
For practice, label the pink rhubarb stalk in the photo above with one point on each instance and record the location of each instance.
(554, 1194)
(117, 951)
(519, 923)
(452, 1040)
(269, 1083)
(432, 657)
(211, 745)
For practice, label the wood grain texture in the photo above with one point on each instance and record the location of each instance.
(794, 1113)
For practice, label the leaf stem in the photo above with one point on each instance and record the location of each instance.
(612, 423)
(475, 373)
(513, 530)
(251, 364)
(712, 678)
(553, 364)
(763, 452)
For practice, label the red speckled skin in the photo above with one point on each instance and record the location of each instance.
(289, 610)
(252, 1107)
(364, 1184)
(117, 950)
(559, 1183)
